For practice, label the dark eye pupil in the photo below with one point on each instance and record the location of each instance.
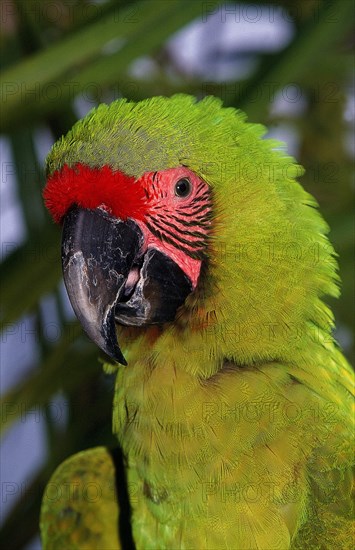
(182, 187)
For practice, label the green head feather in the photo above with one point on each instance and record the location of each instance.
(270, 264)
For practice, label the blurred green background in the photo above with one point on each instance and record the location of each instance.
(286, 64)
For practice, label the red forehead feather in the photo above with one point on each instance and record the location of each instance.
(92, 187)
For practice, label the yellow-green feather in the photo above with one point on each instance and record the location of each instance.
(79, 507)
(236, 418)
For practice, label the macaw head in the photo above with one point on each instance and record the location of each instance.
(177, 215)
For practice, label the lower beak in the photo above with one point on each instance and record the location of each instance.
(98, 251)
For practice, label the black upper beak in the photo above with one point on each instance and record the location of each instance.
(110, 280)
(98, 251)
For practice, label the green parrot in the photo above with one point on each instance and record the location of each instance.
(198, 264)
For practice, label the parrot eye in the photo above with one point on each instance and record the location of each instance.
(182, 188)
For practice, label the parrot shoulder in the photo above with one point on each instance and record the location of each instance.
(81, 504)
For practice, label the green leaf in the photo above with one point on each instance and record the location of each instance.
(56, 75)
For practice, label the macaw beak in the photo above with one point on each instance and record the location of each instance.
(109, 279)
(97, 254)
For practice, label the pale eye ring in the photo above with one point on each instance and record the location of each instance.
(183, 188)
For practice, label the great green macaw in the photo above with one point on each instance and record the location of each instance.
(198, 264)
